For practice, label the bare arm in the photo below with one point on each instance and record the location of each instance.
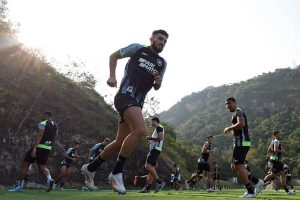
(239, 125)
(159, 138)
(204, 148)
(277, 150)
(112, 81)
(38, 138)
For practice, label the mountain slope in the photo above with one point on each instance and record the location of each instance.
(271, 101)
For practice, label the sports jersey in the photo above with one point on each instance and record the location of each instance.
(276, 156)
(157, 144)
(204, 156)
(140, 70)
(96, 150)
(241, 136)
(50, 130)
(71, 152)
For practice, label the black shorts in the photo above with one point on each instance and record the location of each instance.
(216, 177)
(203, 166)
(122, 102)
(41, 156)
(239, 155)
(67, 164)
(152, 157)
(276, 166)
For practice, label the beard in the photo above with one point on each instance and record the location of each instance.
(156, 49)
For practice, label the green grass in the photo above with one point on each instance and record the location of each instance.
(109, 195)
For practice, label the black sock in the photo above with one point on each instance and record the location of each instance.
(148, 187)
(249, 188)
(62, 185)
(119, 165)
(286, 188)
(158, 181)
(253, 179)
(92, 167)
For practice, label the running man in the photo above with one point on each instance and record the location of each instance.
(144, 70)
(156, 143)
(203, 164)
(97, 149)
(46, 136)
(216, 176)
(65, 166)
(276, 164)
(176, 182)
(241, 147)
(94, 153)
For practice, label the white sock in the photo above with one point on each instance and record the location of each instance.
(21, 183)
(49, 177)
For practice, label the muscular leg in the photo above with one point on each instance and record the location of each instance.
(134, 117)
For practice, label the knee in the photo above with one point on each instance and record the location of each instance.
(146, 166)
(140, 132)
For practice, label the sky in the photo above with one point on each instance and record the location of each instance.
(211, 42)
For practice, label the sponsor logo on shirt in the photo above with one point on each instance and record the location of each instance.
(149, 66)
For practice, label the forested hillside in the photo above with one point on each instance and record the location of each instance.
(271, 102)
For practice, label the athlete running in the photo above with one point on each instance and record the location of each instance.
(46, 136)
(65, 166)
(144, 70)
(156, 143)
(216, 176)
(203, 164)
(241, 147)
(276, 149)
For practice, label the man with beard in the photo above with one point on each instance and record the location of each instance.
(144, 70)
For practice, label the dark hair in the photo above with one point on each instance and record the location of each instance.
(246, 161)
(163, 32)
(175, 165)
(276, 132)
(230, 99)
(155, 119)
(76, 142)
(107, 140)
(214, 163)
(210, 136)
(49, 113)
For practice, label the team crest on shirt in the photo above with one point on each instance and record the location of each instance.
(159, 62)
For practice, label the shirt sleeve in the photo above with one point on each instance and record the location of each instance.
(162, 72)
(276, 143)
(69, 151)
(42, 125)
(239, 114)
(159, 129)
(130, 50)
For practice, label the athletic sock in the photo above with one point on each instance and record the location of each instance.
(249, 188)
(148, 187)
(286, 188)
(49, 177)
(253, 179)
(92, 167)
(119, 165)
(21, 183)
(158, 181)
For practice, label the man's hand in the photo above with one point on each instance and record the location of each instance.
(33, 152)
(157, 80)
(112, 82)
(226, 130)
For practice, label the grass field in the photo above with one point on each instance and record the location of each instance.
(109, 195)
